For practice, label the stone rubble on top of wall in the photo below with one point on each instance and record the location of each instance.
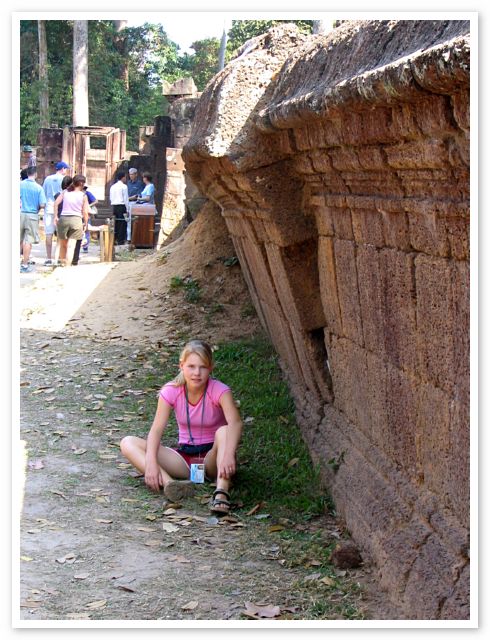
(341, 165)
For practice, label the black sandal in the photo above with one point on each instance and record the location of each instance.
(218, 505)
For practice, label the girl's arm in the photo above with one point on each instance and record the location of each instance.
(85, 210)
(227, 467)
(152, 469)
(56, 204)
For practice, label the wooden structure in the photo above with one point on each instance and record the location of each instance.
(143, 225)
(98, 165)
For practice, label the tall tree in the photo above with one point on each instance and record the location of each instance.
(121, 45)
(43, 75)
(80, 73)
(222, 49)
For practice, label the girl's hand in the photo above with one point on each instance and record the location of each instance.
(153, 477)
(227, 467)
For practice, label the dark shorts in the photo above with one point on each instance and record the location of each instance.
(193, 454)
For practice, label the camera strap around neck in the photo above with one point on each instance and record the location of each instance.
(191, 437)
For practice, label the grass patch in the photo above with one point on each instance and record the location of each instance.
(191, 288)
(273, 462)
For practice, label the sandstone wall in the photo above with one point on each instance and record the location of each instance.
(341, 164)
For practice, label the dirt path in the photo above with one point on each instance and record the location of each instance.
(95, 543)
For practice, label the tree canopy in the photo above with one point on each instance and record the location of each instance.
(125, 69)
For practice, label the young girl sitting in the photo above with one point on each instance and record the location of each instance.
(210, 429)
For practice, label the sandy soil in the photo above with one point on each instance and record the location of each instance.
(95, 543)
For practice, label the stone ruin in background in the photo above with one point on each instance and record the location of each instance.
(341, 165)
(99, 152)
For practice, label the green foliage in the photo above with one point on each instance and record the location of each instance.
(273, 462)
(203, 64)
(125, 71)
(192, 290)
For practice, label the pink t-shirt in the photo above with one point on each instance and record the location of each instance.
(212, 418)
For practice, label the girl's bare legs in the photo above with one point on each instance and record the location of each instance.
(63, 244)
(170, 463)
(212, 461)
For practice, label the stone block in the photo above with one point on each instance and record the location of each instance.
(367, 225)
(294, 271)
(461, 109)
(402, 401)
(342, 223)
(457, 604)
(427, 229)
(433, 443)
(328, 285)
(430, 581)
(399, 308)
(324, 222)
(371, 297)
(395, 228)
(420, 154)
(460, 311)
(344, 159)
(372, 158)
(377, 399)
(458, 236)
(436, 322)
(321, 161)
(348, 289)
(433, 115)
(373, 183)
(349, 379)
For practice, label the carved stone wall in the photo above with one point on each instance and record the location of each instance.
(341, 164)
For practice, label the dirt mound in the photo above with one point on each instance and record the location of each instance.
(193, 287)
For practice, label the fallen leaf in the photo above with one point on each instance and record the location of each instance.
(81, 576)
(312, 576)
(147, 529)
(36, 464)
(275, 527)
(30, 604)
(261, 516)
(267, 611)
(79, 452)
(102, 521)
(26, 558)
(293, 462)
(153, 543)
(328, 581)
(182, 559)
(78, 616)
(169, 527)
(254, 509)
(125, 587)
(97, 604)
(190, 606)
(58, 493)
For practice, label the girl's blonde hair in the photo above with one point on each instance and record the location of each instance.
(199, 347)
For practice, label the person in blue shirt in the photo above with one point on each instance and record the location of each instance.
(32, 200)
(135, 185)
(148, 193)
(52, 187)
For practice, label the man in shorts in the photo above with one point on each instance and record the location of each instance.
(52, 187)
(32, 200)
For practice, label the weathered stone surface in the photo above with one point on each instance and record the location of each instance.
(341, 164)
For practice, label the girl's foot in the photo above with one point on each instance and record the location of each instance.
(176, 490)
(220, 504)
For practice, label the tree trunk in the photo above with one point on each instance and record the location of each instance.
(43, 75)
(222, 50)
(80, 73)
(321, 26)
(120, 42)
